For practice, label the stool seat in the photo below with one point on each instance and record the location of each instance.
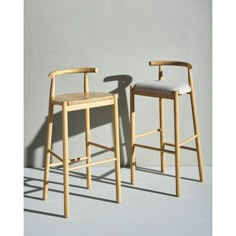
(81, 98)
(163, 86)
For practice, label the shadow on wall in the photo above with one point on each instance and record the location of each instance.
(99, 117)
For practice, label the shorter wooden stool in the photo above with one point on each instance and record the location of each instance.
(79, 101)
(164, 89)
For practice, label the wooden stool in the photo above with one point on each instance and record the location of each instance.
(72, 102)
(166, 90)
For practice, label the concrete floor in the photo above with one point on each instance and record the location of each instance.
(149, 207)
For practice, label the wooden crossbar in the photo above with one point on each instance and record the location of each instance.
(154, 148)
(55, 164)
(77, 159)
(101, 146)
(70, 161)
(92, 164)
(169, 144)
(94, 104)
(189, 148)
(183, 147)
(147, 133)
(55, 155)
(188, 140)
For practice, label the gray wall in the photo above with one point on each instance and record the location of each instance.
(118, 37)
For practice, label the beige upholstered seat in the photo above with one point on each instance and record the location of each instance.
(163, 86)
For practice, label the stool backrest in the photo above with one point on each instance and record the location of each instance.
(172, 63)
(52, 75)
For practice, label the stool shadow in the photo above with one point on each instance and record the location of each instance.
(76, 120)
(123, 82)
(43, 213)
(30, 182)
(158, 172)
(40, 189)
(35, 188)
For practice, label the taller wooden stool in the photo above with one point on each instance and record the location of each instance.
(166, 90)
(79, 101)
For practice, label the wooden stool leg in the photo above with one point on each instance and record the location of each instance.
(47, 153)
(88, 152)
(132, 134)
(177, 148)
(162, 137)
(117, 149)
(196, 132)
(65, 159)
(195, 125)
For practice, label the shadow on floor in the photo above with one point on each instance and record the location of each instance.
(158, 172)
(43, 213)
(101, 179)
(35, 188)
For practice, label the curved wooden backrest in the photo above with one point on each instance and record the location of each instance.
(170, 63)
(52, 75)
(55, 73)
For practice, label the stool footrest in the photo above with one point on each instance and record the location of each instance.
(183, 147)
(93, 164)
(189, 148)
(70, 161)
(147, 133)
(55, 155)
(154, 148)
(101, 146)
(188, 140)
(169, 144)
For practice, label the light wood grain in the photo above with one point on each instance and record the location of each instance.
(47, 154)
(132, 135)
(65, 159)
(177, 144)
(72, 102)
(70, 161)
(49, 138)
(102, 103)
(196, 129)
(55, 155)
(162, 130)
(92, 164)
(55, 73)
(161, 121)
(117, 148)
(86, 83)
(188, 140)
(147, 133)
(182, 147)
(102, 146)
(188, 148)
(170, 63)
(52, 88)
(177, 148)
(153, 148)
(87, 145)
(81, 98)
